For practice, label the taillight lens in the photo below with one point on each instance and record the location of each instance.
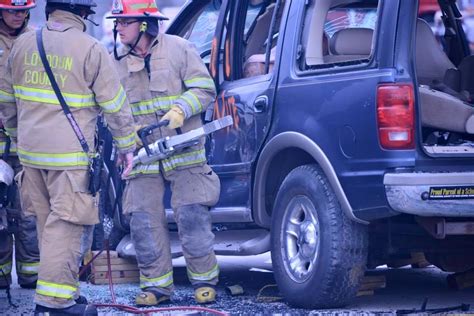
(396, 116)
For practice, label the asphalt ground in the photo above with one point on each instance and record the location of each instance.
(406, 289)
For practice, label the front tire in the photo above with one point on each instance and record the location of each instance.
(319, 255)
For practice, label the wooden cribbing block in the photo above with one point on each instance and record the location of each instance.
(461, 280)
(122, 270)
(115, 281)
(365, 293)
(370, 283)
(117, 274)
(115, 267)
(419, 260)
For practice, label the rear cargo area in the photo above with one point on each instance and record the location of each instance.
(445, 97)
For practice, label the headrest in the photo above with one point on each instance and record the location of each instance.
(431, 61)
(353, 41)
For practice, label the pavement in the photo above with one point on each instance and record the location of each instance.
(406, 289)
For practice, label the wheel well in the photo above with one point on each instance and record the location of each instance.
(281, 165)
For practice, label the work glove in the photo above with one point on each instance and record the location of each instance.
(137, 138)
(175, 116)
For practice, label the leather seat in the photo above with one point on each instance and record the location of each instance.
(350, 44)
(259, 33)
(431, 61)
(445, 111)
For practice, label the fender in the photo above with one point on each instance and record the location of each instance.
(296, 140)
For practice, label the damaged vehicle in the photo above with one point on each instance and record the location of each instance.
(352, 144)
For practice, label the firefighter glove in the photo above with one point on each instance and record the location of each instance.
(176, 117)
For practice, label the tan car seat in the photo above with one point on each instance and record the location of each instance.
(438, 109)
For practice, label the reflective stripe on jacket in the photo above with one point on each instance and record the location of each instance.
(178, 77)
(88, 82)
(6, 44)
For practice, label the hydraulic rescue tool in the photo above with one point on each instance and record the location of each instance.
(167, 146)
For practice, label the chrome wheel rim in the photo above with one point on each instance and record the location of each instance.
(300, 238)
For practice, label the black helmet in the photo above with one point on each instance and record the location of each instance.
(87, 3)
(70, 5)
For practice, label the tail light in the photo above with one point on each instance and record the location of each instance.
(396, 116)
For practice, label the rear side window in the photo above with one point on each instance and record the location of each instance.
(338, 36)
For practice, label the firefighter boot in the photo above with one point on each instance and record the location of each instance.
(30, 285)
(81, 300)
(151, 297)
(76, 309)
(205, 294)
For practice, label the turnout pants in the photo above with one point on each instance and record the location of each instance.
(24, 240)
(193, 191)
(26, 253)
(65, 213)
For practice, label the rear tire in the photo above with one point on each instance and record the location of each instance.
(319, 255)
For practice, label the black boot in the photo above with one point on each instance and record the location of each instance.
(31, 285)
(81, 300)
(77, 309)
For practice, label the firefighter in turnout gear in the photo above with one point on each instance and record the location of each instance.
(165, 79)
(14, 17)
(56, 173)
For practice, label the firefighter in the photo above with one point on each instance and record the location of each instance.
(165, 79)
(56, 173)
(14, 17)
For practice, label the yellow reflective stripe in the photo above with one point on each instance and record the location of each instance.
(125, 141)
(153, 105)
(190, 103)
(197, 106)
(28, 267)
(54, 160)
(6, 97)
(55, 289)
(6, 268)
(48, 96)
(203, 83)
(3, 145)
(116, 103)
(153, 168)
(162, 281)
(206, 276)
(185, 159)
(11, 131)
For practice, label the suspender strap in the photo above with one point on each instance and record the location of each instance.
(57, 91)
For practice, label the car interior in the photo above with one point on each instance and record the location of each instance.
(446, 95)
(256, 38)
(338, 32)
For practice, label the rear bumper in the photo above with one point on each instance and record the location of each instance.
(431, 194)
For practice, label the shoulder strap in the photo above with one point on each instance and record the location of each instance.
(57, 91)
